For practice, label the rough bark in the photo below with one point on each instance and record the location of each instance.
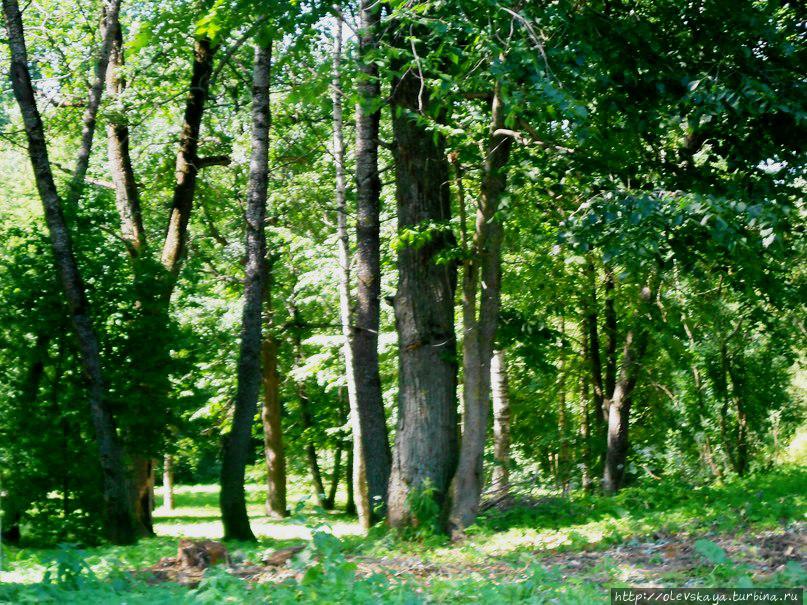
(187, 166)
(236, 453)
(482, 272)
(425, 451)
(168, 482)
(343, 244)
(501, 423)
(369, 401)
(619, 407)
(109, 33)
(118, 518)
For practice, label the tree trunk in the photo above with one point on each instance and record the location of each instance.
(118, 519)
(501, 423)
(350, 505)
(359, 467)
(610, 340)
(330, 499)
(236, 453)
(592, 352)
(369, 402)
(742, 456)
(271, 418)
(142, 473)
(310, 448)
(149, 311)
(110, 32)
(563, 419)
(187, 159)
(635, 346)
(585, 426)
(426, 439)
(127, 196)
(479, 332)
(168, 482)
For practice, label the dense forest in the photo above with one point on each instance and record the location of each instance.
(429, 269)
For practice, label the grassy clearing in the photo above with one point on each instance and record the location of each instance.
(569, 550)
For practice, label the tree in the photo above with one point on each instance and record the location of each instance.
(118, 521)
(369, 403)
(425, 453)
(237, 443)
(481, 271)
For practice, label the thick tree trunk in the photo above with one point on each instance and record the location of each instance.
(168, 482)
(369, 402)
(187, 159)
(619, 407)
(501, 423)
(236, 453)
(359, 467)
(118, 521)
(479, 332)
(426, 439)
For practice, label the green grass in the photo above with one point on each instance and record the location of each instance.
(527, 541)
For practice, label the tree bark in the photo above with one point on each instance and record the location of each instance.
(109, 33)
(359, 468)
(168, 482)
(236, 453)
(426, 439)
(350, 505)
(127, 196)
(118, 518)
(153, 289)
(479, 331)
(142, 472)
(501, 423)
(187, 166)
(369, 401)
(619, 407)
(271, 418)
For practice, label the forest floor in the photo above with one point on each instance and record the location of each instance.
(539, 548)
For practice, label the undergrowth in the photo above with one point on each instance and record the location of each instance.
(327, 571)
